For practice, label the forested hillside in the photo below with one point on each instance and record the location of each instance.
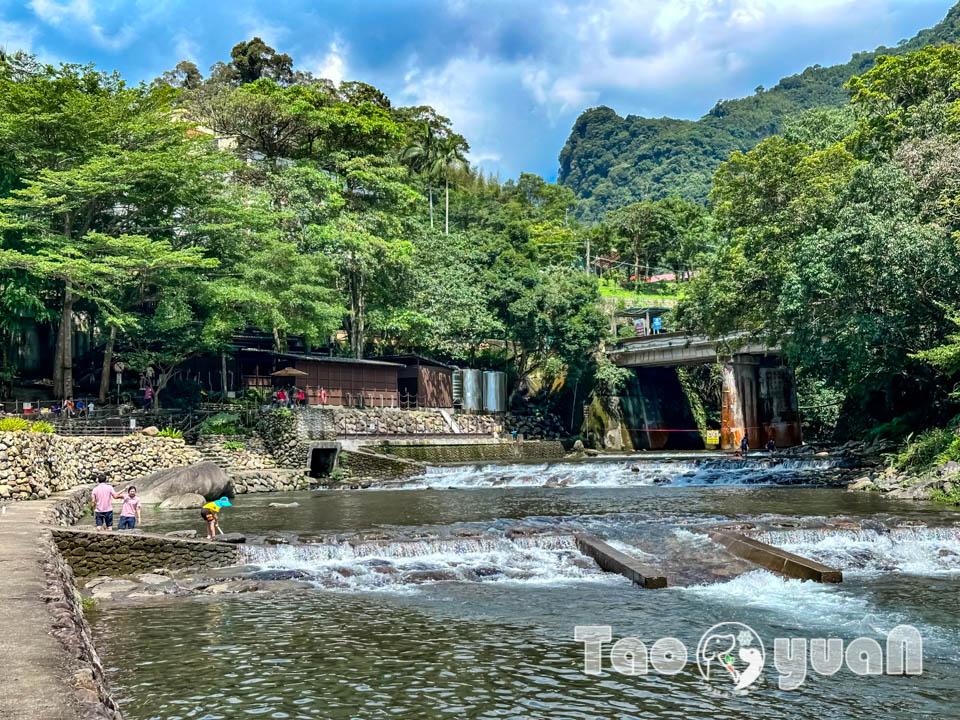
(610, 161)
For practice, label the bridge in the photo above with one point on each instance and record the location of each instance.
(758, 400)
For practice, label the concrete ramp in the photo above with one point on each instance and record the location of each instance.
(776, 560)
(612, 560)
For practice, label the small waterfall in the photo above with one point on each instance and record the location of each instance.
(629, 472)
(912, 550)
(401, 564)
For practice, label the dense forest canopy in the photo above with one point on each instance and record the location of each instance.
(610, 161)
(160, 220)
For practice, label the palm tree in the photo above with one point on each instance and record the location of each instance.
(421, 156)
(451, 156)
(435, 156)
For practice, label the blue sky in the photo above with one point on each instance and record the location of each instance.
(513, 76)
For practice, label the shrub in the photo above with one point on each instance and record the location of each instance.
(338, 475)
(221, 424)
(170, 433)
(233, 445)
(929, 448)
(13, 424)
(41, 426)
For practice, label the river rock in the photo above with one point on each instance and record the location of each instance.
(919, 490)
(151, 431)
(182, 533)
(234, 586)
(862, 484)
(235, 538)
(187, 501)
(284, 505)
(206, 479)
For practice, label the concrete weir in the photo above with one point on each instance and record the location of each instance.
(776, 560)
(612, 560)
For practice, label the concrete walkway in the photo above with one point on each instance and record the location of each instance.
(36, 681)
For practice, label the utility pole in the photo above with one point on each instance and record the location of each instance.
(588, 254)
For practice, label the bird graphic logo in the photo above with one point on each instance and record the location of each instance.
(731, 649)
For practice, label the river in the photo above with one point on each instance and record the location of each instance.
(457, 596)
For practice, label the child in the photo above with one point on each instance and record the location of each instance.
(211, 515)
(130, 513)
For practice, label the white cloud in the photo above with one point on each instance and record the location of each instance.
(16, 36)
(80, 13)
(332, 65)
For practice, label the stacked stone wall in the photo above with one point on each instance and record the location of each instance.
(374, 466)
(35, 465)
(112, 553)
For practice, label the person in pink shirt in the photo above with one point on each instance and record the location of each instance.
(101, 503)
(130, 513)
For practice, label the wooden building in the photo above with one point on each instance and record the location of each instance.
(326, 380)
(424, 382)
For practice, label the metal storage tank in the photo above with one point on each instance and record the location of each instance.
(495, 391)
(457, 386)
(472, 390)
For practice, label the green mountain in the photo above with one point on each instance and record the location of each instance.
(610, 161)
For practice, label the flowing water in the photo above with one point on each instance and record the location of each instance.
(457, 596)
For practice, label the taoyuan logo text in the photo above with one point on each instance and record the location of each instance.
(733, 653)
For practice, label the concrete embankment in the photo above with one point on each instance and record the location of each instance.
(51, 669)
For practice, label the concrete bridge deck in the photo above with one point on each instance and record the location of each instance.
(677, 348)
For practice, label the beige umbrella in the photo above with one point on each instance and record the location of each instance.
(289, 372)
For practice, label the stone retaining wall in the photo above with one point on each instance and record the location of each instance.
(366, 464)
(72, 630)
(35, 465)
(527, 450)
(112, 553)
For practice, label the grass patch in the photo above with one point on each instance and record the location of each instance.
(88, 604)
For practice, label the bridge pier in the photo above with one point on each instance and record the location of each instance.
(759, 400)
(759, 394)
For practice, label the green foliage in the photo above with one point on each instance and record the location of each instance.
(611, 161)
(222, 424)
(12, 424)
(41, 426)
(170, 433)
(337, 475)
(610, 379)
(233, 445)
(928, 449)
(948, 498)
(88, 604)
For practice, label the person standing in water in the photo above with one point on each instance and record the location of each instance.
(101, 502)
(211, 515)
(130, 512)
(744, 446)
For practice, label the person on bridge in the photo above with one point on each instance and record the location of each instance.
(211, 515)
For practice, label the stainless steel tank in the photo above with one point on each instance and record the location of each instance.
(472, 390)
(495, 391)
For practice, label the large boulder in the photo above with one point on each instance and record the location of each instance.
(206, 479)
(187, 501)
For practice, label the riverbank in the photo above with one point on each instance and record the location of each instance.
(51, 668)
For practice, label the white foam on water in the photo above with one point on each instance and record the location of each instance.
(607, 474)
(404, 564)
(914, 551)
